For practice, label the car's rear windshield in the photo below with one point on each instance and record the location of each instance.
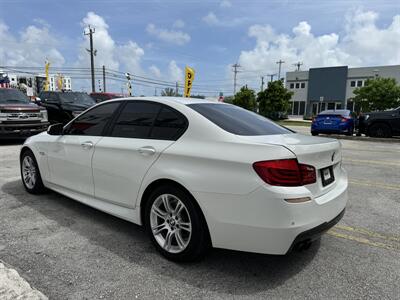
(76, 98)
(237, 120)
(13, 96)
(343, 113)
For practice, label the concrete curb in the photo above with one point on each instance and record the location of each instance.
(363, 138)
(13, 286)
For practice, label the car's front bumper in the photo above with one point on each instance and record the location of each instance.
(263, 222)
(21, 130)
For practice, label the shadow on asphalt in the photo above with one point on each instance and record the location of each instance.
(231, 272)
(11, 142)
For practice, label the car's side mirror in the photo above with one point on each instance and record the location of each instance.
(56, 129)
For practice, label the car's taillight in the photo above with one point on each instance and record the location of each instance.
(344, 120)
(285, 172)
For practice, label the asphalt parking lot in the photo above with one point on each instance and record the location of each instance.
(70, 251)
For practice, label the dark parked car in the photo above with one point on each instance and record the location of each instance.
(64, 106)
(100, 97)
(333, 121)
(380, 124)
(19, 117)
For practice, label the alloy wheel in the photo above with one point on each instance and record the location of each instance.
(170, 223)
(29, 173)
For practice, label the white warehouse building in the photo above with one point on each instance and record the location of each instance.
(319, 89)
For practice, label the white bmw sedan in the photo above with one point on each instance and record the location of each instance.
(195, 173)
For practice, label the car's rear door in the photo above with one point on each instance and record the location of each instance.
(139, 134)
(70, 155)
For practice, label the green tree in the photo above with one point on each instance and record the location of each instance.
(245, 98)
(274, 100)
(168, 92)
(378, 94)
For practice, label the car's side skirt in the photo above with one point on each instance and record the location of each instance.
(125, 213)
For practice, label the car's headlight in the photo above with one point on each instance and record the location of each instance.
(3, 116)
(76, 113)
(366, 117)
(44, 115)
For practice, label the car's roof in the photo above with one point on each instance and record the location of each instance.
(179, 100)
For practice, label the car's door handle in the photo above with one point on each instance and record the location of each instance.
(87, 145)
(147, 150)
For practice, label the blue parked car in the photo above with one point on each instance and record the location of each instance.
(333, 121)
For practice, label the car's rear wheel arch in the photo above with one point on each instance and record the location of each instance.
(168, 182)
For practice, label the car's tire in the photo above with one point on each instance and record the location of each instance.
(176, 225)
(314, 133)
(350, 132)
(380, 130)
(30, 173)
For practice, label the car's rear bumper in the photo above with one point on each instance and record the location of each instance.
(331, 130)
(18, 130)
(263, 222)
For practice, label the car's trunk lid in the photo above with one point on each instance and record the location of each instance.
(318, 152)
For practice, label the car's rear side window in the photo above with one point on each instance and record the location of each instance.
(149, 120)
(136, 120)
(169, 125)
(237, 120)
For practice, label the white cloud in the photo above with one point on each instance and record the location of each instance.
(225, 4)
(361, 44)
(170, 36)
(155, 71)
(211, 19)
(30, 48)
(178, 24)
(126, 56)
(175, 72)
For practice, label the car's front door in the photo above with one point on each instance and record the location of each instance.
(395, 122)
(70, 156)
(138, 136)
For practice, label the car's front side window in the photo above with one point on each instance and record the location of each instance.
(94, 121)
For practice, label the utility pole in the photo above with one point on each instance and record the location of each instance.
(128, 84)
(92, 54)
(104, 78)
(235, 71)
(271, 76)
(176, 89)
(155, 91)
(297, 65)
(280, 62)
(262, 83)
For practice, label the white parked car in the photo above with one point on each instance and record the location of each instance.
(195, 173)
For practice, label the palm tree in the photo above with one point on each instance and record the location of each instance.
(167, 92)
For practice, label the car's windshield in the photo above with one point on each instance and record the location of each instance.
(237, 120)
(76, 98)
(13, 96)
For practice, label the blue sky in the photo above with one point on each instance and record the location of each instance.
(158, 38)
